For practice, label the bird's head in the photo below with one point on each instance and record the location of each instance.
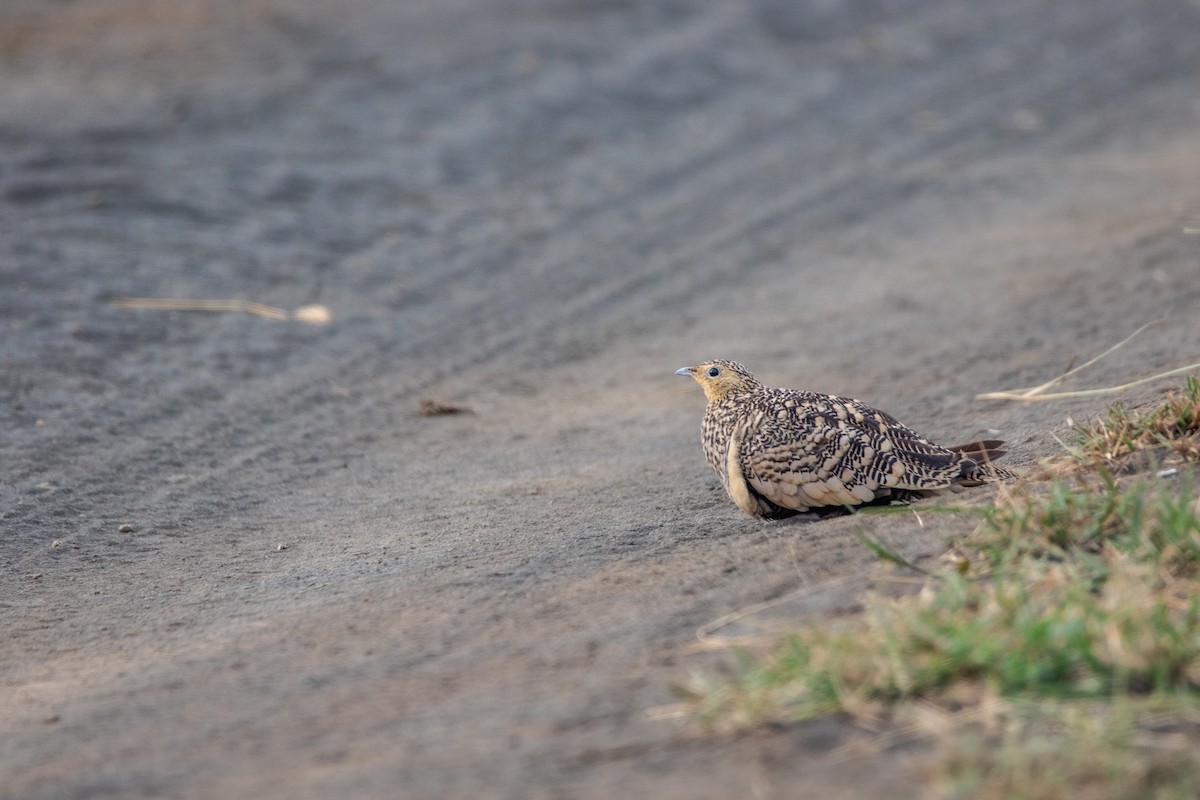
(721, 378)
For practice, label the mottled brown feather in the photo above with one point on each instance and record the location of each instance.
(780, 451)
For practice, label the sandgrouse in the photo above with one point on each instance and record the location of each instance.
(782, 451)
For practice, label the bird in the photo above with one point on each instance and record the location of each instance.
(785, 451)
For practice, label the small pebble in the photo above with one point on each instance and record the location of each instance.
(436, 408)
(55, 544)
(281, 546)
(127, 528)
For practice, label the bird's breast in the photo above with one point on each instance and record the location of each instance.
(720, 419)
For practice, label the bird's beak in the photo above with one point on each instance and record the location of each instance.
(687, 372)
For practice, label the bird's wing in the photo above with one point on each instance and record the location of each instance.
(800, 449)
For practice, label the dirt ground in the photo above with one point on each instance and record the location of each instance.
(234, 558)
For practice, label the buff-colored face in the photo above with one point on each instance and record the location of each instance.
(720, 378)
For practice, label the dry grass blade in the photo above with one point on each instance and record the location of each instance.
(312, 314)
(1026, 398)
(1037, 393)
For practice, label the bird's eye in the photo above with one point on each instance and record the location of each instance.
(713, 372)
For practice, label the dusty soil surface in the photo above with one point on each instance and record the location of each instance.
(236, 561)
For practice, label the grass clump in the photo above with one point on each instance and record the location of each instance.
(1082, 750)
(1170, 430)
(1068, 593)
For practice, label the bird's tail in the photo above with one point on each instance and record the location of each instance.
(980, 465)
(985, 450)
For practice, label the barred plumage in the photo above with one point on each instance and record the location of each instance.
(781, 451)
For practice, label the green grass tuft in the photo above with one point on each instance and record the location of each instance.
(1083, 750)
(1070, 593)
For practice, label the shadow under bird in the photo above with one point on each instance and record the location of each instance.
(783, 451)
